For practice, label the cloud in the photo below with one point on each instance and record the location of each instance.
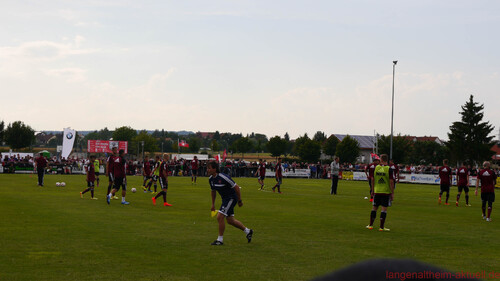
(45, 50)
(68, 74)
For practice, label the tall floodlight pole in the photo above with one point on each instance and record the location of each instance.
(392, 114)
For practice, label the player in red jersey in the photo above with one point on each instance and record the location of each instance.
(488, 179)
(163, 181)
(395, 171)
(40, 165)
(279, 176)
(463, 184)
(109, 169)
(261, 172)
(369, 170)
(91, 177)
(146, 173)
(194, 169)
(120, 179)
(446, 179)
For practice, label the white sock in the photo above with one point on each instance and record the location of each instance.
(247, 230)
(220, 238)
(123, 199)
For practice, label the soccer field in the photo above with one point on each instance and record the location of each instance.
(51, 233)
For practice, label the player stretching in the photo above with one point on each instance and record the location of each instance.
(230, 194)
(370, 169)
(445, 176)
(488, 179)
(110, 169)
(163, 181)
(194, 169)
(146, 174)
(91, 176)
(279, 176)
(383, 192)
(120, 180)
(261, 172)
(463, 184)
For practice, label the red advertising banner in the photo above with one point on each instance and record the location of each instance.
(95, 146)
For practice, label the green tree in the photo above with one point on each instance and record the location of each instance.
(243, 145)
(401, 147)
(194, 144)
(19, 135)
(150, 143)
(427, 152)
(2, 129)
(216, 135)
(298, 143)
(348, 149)
(309, 150)
(330, 145)
(124, 133)
(469, 139)
(214, 145)
(128, 134)
(277, 146)
(319, 137)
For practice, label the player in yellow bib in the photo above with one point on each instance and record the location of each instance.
(382, 191)
(97, 166)
(156, 174)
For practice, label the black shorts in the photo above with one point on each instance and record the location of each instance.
(227, 207)
(145, 178)
(279, 181)
(381, 200)
(111, 178)
(194, 172)
(163, 183)
(445, 187)
(464, 188)
(488, 196)
(97, 174)
(261, 178)
(154, 178)
(120, 182)
(90, 184)
(370, 183)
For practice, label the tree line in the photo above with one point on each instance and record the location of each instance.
(469, 141)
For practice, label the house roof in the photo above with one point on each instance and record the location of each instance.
(365, 142)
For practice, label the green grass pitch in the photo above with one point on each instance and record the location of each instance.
(51, 234)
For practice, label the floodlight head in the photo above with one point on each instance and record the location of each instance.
(395, 62)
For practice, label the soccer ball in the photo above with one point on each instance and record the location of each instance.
(133, 189)
(366, 198)
(58, 184)
(63, 184)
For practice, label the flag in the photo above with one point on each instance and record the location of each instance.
(224, 155)
(68, 141)
(217, 158)
(374, 156)
(183, 143)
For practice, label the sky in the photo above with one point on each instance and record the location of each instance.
(241, 66)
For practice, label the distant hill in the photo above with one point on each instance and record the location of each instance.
(84, 133)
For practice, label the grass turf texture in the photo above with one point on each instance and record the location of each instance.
(51, 234)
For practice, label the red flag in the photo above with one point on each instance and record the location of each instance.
(374, 156)
(183, 143)
(224, 155)
(217, 158)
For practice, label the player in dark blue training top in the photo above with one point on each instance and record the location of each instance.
(230, 194)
